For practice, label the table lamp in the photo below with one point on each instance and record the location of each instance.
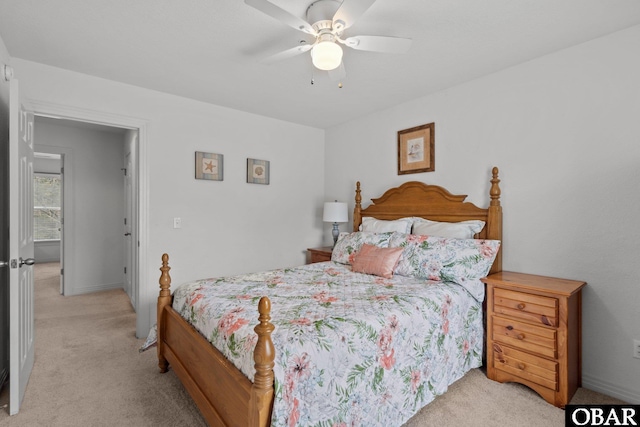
(335, 212)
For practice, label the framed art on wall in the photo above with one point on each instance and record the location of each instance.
(416, 149)
(258, 171)
(209, 166)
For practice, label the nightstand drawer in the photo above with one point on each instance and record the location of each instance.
(529, 307)
(525, 336)
(527, 366)
(319, 254)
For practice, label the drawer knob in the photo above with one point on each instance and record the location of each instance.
(521, 306)
(520, 336)
(521, 366)
(509, 328)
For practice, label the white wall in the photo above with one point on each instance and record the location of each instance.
(94, 229)
(46, 165)
(563, 129)
(228, 227)
(46, 251)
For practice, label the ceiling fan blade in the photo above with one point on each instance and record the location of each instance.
(349, 12)
(379, 44)
(286, 54)
(282, 15)
(339, 73)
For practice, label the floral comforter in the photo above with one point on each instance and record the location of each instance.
(351, 349)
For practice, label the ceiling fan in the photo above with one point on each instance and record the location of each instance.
(326, 21)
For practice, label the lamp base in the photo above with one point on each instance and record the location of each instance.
(335, 232)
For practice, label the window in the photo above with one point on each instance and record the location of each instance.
(46, 206)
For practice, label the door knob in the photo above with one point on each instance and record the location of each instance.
(4, 264)
(28, 261)
(127, 234)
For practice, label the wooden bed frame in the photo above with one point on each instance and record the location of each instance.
(224, 395)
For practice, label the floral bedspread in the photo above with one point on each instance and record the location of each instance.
(351, 349)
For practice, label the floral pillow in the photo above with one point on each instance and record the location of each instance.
(462, 261)
(347, 245)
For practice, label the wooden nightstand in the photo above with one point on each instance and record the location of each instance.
(534, 333)
(319, 254)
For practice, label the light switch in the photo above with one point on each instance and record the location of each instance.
(177, 222)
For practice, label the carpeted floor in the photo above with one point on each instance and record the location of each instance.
(88, 372)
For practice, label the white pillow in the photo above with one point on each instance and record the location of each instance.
(451, 230)
(402, 225)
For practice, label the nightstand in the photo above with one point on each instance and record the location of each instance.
(534, 333)
(319, 254)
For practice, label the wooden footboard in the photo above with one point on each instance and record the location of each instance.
(224, 395)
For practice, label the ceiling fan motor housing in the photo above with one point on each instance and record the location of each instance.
(320, 14)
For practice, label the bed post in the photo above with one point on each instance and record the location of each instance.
(164, 299)
(357, 217)
(494, 231)
(264, 353)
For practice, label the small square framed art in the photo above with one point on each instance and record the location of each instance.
(258, 171)
(209, 166)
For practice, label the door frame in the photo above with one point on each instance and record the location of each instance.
(66, 155)
(48, 109)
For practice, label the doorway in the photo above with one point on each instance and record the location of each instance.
(140, 236)
(98, 163)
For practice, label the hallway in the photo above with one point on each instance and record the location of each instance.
(88, 370)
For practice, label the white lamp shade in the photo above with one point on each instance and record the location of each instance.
(335, 212)
(326, 55)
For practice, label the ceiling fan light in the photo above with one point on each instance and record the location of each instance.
(326, 55)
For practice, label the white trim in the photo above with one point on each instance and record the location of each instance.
(49, 109)
(59, 111)
(610, 389)
(96, 288)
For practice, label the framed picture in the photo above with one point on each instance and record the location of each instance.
(416, 149)
(209, 166)
(258, 171)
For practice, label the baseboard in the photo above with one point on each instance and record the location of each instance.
(46, 259)
(93, 288)
(613, 390)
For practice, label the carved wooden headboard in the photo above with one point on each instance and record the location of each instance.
(437, 204)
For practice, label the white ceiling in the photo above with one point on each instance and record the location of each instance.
(211, 50)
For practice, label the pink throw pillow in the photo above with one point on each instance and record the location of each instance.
(375, 260)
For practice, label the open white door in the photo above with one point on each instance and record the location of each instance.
(129, 238)
(21, 314)
(131, 217)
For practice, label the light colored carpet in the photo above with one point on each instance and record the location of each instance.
(88, 372)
